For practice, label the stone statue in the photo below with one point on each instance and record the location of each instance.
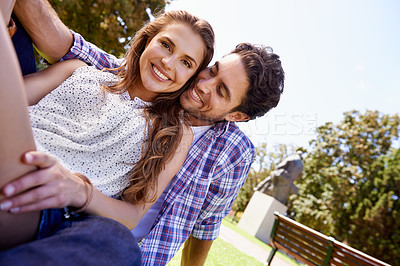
(280, 183)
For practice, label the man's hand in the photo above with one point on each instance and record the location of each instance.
(51, 186)
(195, 251)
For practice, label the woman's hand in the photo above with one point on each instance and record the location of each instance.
(51, 186)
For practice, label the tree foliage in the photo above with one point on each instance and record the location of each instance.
(351, 184)
(264, 164)
(109, 24)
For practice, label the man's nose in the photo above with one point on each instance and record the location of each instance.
(206, 85)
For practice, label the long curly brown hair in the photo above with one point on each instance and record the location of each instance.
(164, 116)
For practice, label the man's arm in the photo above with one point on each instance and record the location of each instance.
(195, 251)
(54, 40)
(49, 34)
(228, 178)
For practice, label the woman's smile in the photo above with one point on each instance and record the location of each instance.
(159, 74)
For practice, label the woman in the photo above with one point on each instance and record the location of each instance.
(160, 60)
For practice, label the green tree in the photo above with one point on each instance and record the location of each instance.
(109, 24)
(263, 165)
(351, 184)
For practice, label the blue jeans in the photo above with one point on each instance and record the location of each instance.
(23, 47)
(78, 240)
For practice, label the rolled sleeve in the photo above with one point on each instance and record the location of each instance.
(222, 193)
(91, 54)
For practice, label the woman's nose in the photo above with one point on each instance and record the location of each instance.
(169, 61)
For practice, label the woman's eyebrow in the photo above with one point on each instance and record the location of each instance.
(188, 56)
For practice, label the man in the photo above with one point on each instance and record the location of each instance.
(243, 85)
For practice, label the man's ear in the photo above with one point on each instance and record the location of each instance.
(237, 116)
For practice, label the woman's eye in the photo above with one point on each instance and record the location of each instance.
(166, 45)
(187, 63)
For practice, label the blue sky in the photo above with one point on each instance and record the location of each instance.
(337, 55)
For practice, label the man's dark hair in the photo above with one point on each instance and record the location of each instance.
(266, 78)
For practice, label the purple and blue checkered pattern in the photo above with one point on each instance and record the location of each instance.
(91, 54)
(203, 190)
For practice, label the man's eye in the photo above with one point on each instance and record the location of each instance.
(219, 91)
(187, 63)
(211, 71)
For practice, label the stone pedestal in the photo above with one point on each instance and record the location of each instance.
(258, 218)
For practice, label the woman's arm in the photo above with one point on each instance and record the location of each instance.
(15, 139)
(131, 216)
(39, 84)
(54, 187)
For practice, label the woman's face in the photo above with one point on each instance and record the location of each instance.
(170, 59)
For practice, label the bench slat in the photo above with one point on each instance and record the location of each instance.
(356, 257)
(302, 242)
(317, 244)
(298, 250)
(313, 248)
(309, 235)
(302, 228)
(296, 256)
(344, 260)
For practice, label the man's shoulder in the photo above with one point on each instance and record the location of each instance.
(231, 136)
(231, 130)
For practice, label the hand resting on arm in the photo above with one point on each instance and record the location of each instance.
(52, 186)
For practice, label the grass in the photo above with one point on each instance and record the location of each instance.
(238, 230)
(257, 241)
(223, 253)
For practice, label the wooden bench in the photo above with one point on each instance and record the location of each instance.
(312, 247)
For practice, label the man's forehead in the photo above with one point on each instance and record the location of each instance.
(231, 62)
(230, 59)
(232, 71)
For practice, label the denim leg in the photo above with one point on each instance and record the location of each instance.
(83, 240)
(50, 220)
(23, 47)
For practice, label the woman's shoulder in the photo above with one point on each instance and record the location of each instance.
(90, 74)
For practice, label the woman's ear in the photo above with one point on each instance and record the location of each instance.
(237, 116)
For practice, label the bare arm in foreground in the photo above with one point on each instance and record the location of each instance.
(52, 186)
(15, 139)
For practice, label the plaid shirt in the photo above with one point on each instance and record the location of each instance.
(203, 190)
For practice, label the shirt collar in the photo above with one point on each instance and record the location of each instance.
(220, 128)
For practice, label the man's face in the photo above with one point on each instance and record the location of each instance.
(216, 92)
